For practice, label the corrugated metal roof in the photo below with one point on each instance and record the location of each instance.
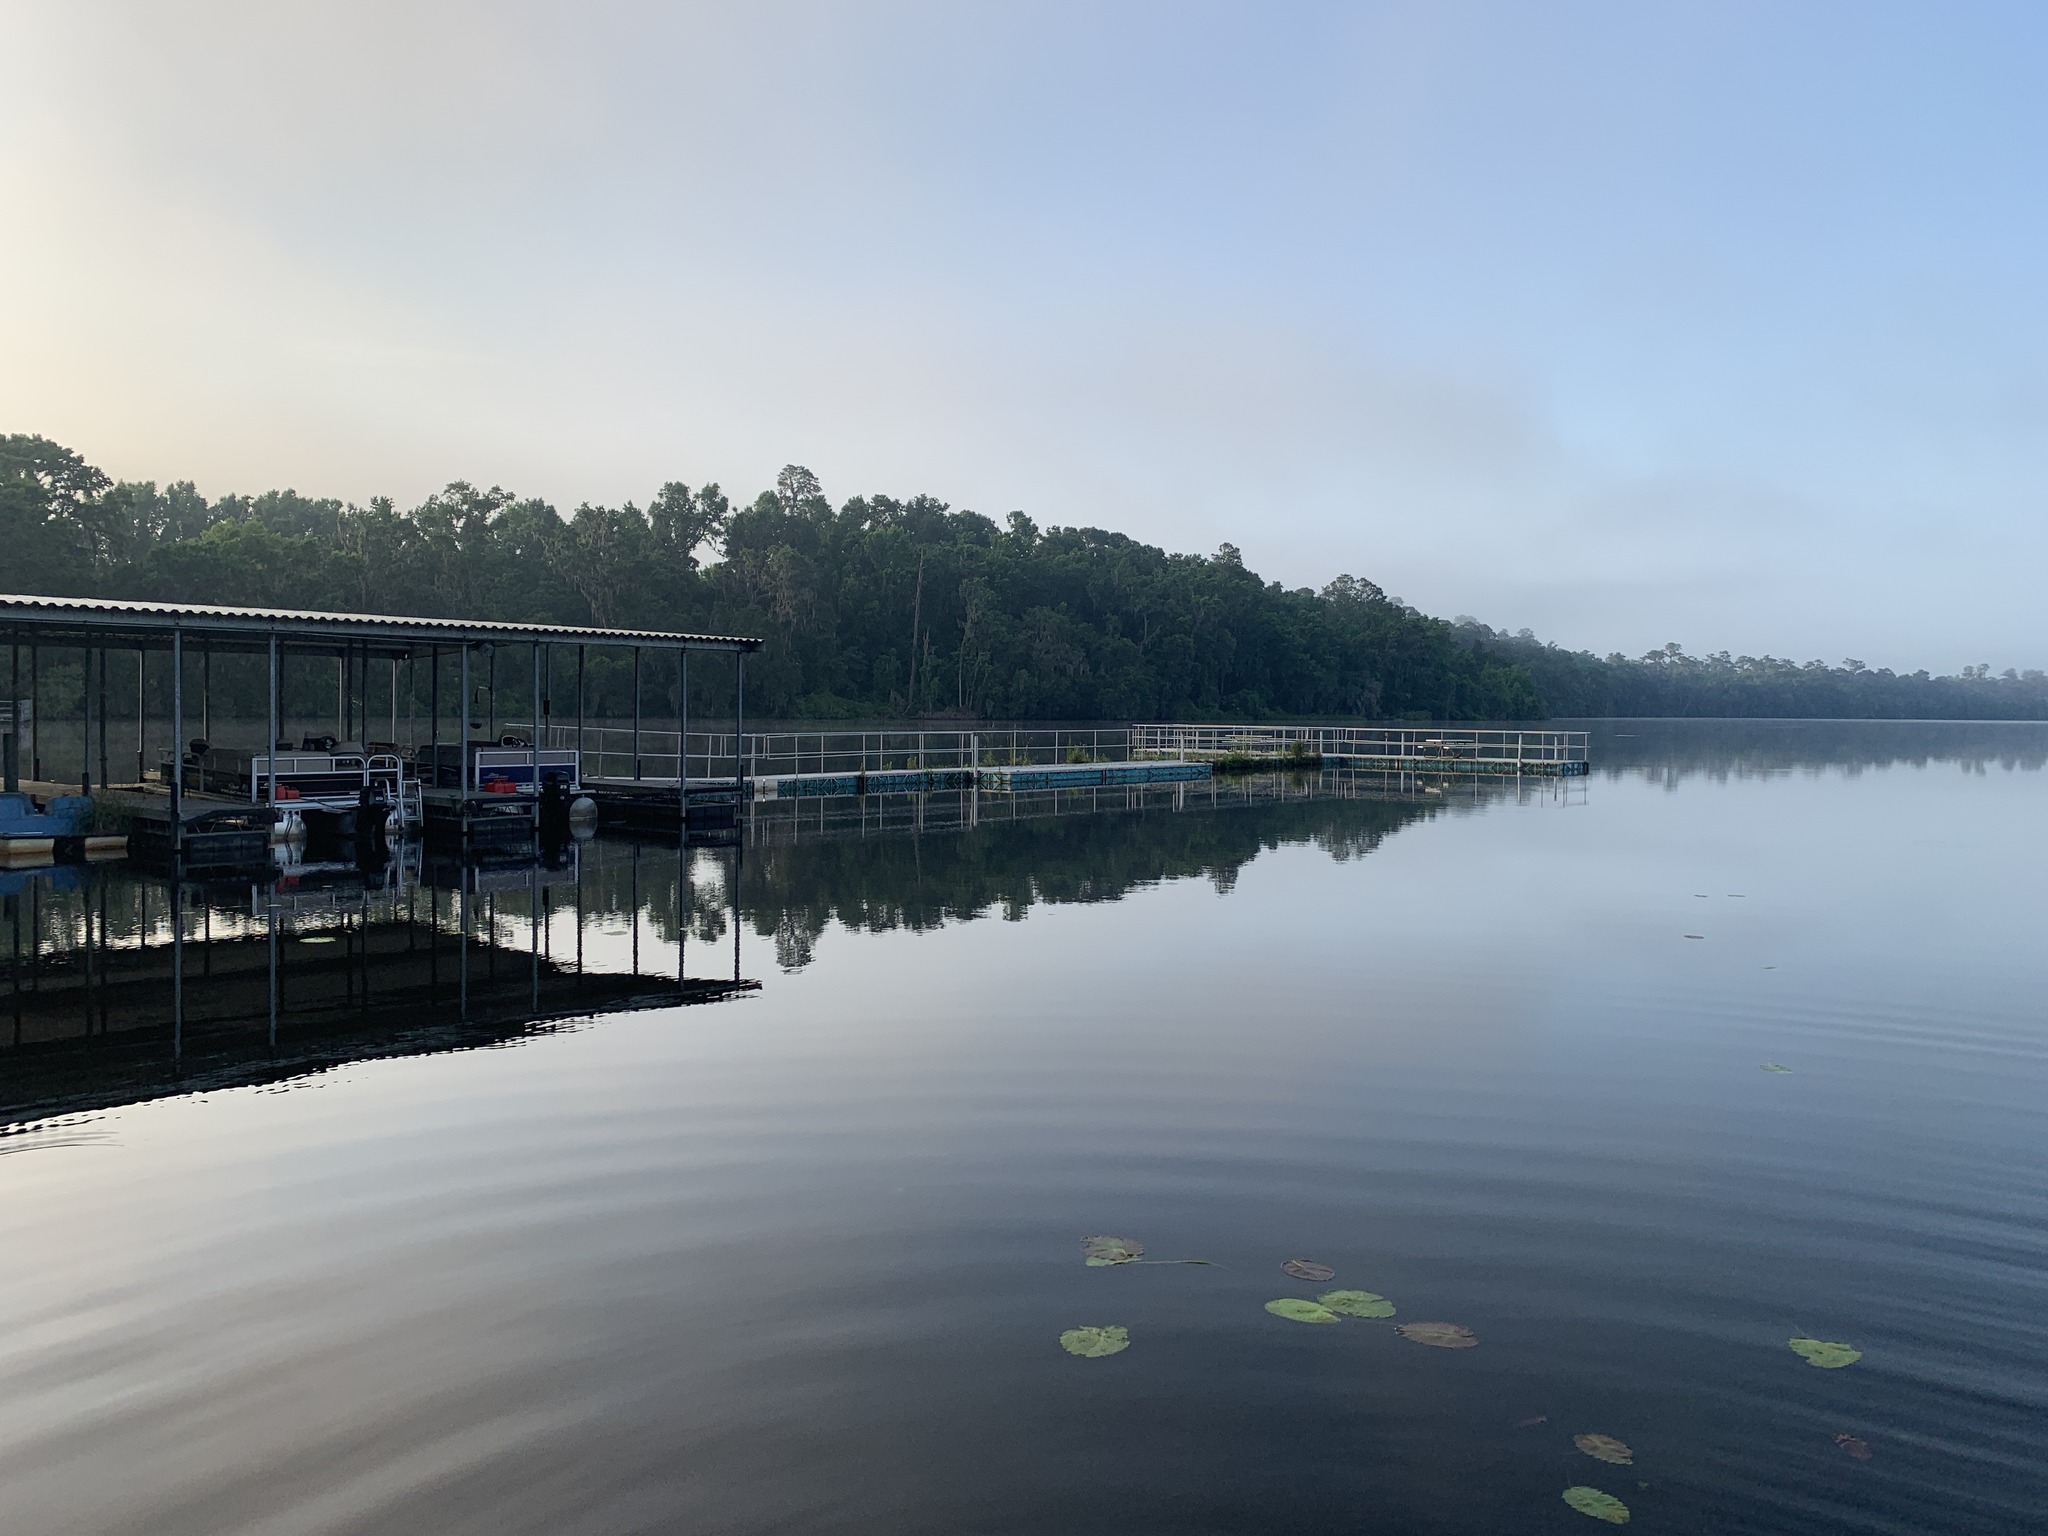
(102, 612)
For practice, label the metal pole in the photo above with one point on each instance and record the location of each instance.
(535, 648)
(434, 711)
(178, 754)
(141, 714)
(105, 777)
(463, 778)
(270, 798)
(13, 764)
(636, 714)
(205, 691)
(682, 746)
(85, 720)
(35, 715)
(739, 743)
(491, 694)
(341, 694)
(579, 715)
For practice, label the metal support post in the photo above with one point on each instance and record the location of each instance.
(682, 746)
(105, 777)
(178, 753)
(739, 735)
(580, 770)
(636, 714)
(270, 798)
(463, 765)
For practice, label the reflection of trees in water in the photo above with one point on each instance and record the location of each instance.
(789, 893)
(1671, 751)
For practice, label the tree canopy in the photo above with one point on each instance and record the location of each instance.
(881, 606)
(876, 606)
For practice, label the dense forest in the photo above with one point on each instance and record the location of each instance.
(875, 607)
(895, 607)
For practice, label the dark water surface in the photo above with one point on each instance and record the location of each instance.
(799, 1259)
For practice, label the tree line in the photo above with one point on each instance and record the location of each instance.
(874, 607)
(888, 607)
(1669, 682)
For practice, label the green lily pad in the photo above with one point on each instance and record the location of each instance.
(1442, 1335)
(1772, 1066)
(1294, 1309)
(1605, 1448)
(1601, 1506)
(1094, 1343)
(1309, 1269)
(1357, 1303)
(1102, 1252)
(1829, 1357)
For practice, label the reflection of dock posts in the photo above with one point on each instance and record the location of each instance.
(636, 906)
(272, 926)
(462, 941)
(177, 956)
(737, 846)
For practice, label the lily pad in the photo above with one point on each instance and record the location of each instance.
(1357, 1303)
(1601, 1506)
(1860, 1449)
(1605, 1448)
(1828, 1357)
(1105, 1251)
(1772, 1066)
(1294, 1309)
(1093, 1343)
(1442, 1335)
(1309, 1269)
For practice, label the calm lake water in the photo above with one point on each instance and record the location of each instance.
(376, 1252)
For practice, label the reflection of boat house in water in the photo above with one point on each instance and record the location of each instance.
(107, 1000)
(461, 772)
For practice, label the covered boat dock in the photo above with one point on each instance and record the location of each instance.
(191, 794)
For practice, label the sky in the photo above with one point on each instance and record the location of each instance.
(1720, 323)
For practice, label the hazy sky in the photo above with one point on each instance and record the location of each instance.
(1721, 323)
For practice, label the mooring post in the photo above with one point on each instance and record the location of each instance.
(141, 715)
